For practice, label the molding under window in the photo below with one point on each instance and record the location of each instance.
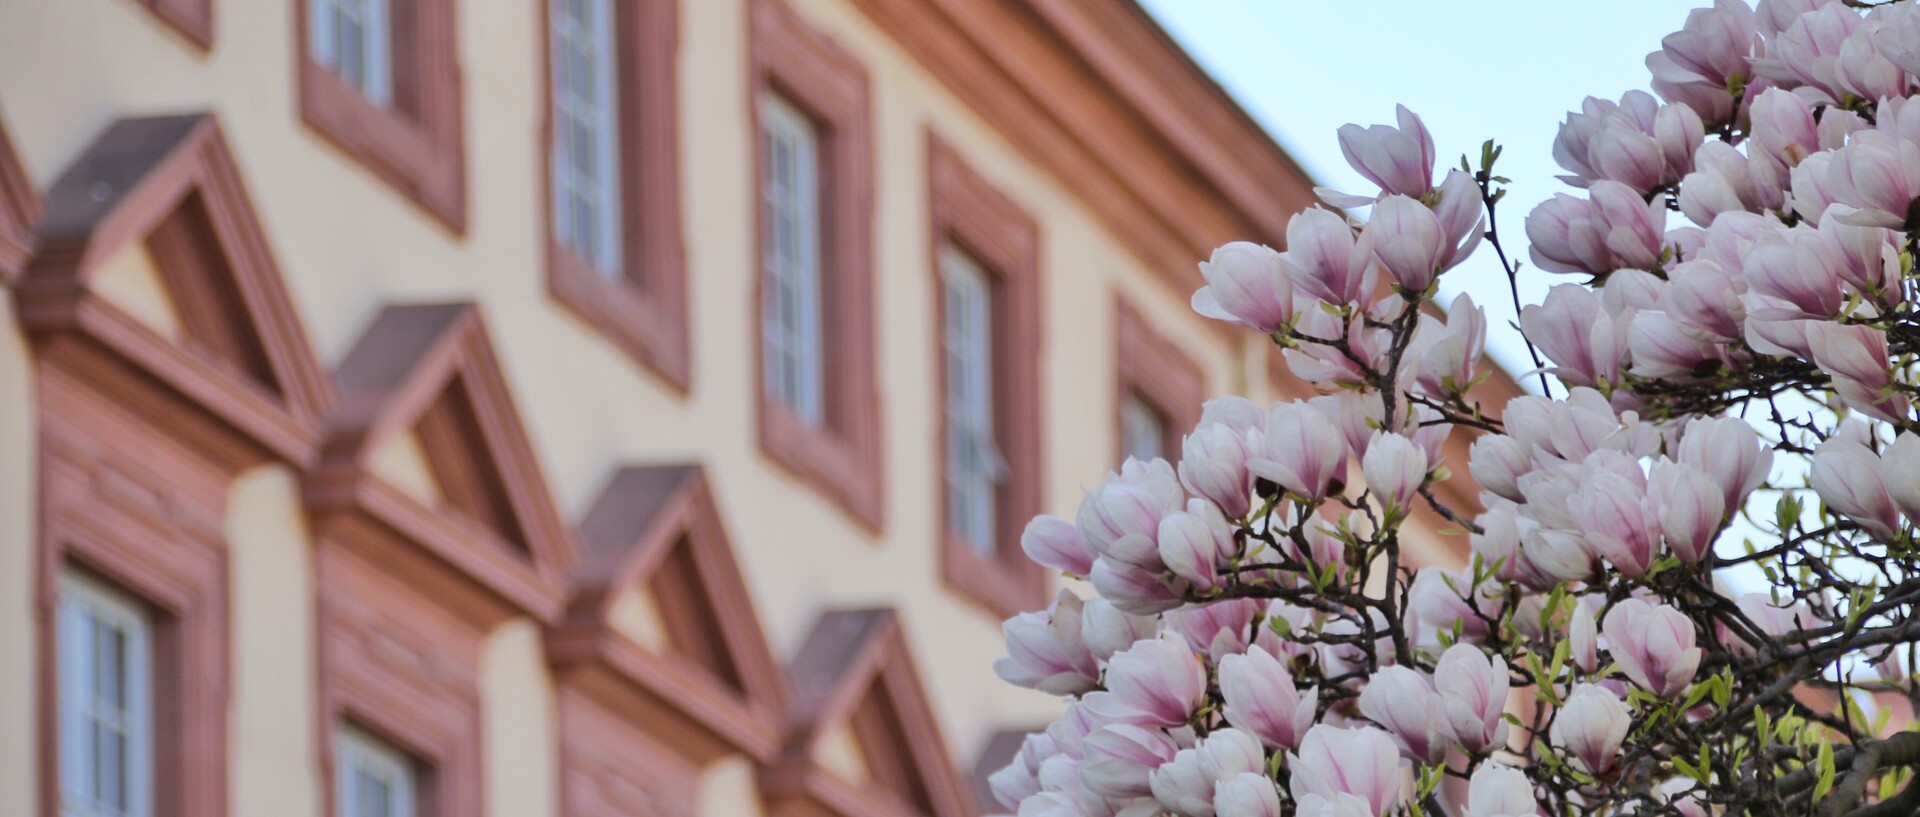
(841, 455)
(642, 310)
(1150, 368)
(415, 142)
(969, 213)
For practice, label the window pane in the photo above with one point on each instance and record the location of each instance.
(374, 778)
(791, 286)
(1143, 430)
(105, 725)
(975, 469)
(585, 161)
(351, 38)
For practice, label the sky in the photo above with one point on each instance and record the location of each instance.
(1507, 70)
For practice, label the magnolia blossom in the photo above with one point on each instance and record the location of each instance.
(1653, 645)
(1359, 762)
(1590, 727)
(1246, 285)
(1301, 451)
(1473, 696)
(1500, 791)
(1045, 650)
(1261, 698)
(1399, 160)
(1157, 682)
(1404, 702)
(1186, 783)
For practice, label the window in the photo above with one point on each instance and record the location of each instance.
(1158, 391)
(986, 260)
(586, 195)
(975, 469)
(350, 38)
(380, 79)
(817, 396)
(790, 247)
(614, 251)
(371, 778)
(106, 718)
(1143, 430)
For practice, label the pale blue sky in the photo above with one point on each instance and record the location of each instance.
(1473, 69)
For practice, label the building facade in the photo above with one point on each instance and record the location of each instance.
(585, 407)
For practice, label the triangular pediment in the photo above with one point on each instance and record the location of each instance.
(150, 242)
(657, 567)
(862, 720)
(19, 210)
(425, 418)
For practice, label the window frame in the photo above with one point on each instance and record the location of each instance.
(641, 310)
(77, 588)
(1152, 369)
(416, 143)
(968, 212)
(841, 455)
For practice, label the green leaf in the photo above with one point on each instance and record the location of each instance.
(1823, 766)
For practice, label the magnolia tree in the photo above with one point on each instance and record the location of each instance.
(1690, 588)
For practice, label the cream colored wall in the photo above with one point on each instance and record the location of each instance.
(348, 243)
(273, 748)
(19, 495)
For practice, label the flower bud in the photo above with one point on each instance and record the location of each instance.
(1302, 451)
(1395, 469)
(1610, 511)
(1106, 630)
(1262, 699)
(1398, 160)
(1847, 476)
(1584, 637)
(1401, 700)
(1156, 682)
(1590, 727)
(1689, 507)
(1406, 239)
(1185, 785)
(1195, 543)
(1246, 285)
(1900, 471)
(1213, 465)
(1856, 358)
(1497, 462)
(1247, 794)
(1653, 645)
(1120, 757)
(1729, 451)
(1361, 762)
(1134, 590)
(1473, 695)
(1051, 541)
(1045, 650)
(1501, 791)
(1324, 258)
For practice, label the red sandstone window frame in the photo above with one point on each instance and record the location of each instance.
(643, 311)
(1151, 368)
(967, 211)
(180, 578)
(841, 455)
(415, 144)
(397, 666)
